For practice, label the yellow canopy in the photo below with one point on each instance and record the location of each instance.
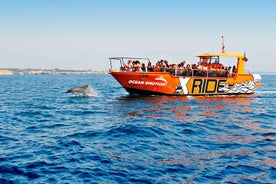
(227, 54)
(241, 58)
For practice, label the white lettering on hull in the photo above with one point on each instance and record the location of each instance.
(136, 82)
(183, 82)
(146, 83)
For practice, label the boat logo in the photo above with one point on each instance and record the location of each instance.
(161, 78)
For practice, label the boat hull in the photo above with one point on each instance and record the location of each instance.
(163, 83)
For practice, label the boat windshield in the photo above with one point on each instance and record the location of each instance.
(209, 60)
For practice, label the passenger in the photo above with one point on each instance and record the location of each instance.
(202, 70)
(234, 71)
(157, 68)
(188, 70)
(221, 72)
(163, 66)
(229, 68)
(149, 67)
(129, 66)
(173, 69)
(180, 69)
(226, 73)
(183, 63)
(123, 68)
(136, 66)
(205, 60)
(194, 70)
(212, 72)
(143, 67)
(167, 64)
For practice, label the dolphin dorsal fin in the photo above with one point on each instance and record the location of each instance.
(86, 86)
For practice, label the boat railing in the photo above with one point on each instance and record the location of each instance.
(184, 72)
(120, 62)
(123, 66)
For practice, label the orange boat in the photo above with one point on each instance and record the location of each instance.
(210, 76)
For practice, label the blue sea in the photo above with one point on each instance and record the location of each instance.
(49, 136)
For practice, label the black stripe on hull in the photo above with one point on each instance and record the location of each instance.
(142, 92)
(133, 91)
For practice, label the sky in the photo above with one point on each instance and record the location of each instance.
(83, 34)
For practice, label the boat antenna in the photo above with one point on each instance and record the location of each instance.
(222, 45)
(244, 56)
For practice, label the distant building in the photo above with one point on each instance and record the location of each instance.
(6, 72)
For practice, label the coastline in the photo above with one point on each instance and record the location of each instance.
(31, 71)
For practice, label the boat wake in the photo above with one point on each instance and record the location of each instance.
(266, 92)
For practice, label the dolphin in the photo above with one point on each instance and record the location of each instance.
(82, 91)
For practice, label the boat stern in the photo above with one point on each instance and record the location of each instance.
(257, 80)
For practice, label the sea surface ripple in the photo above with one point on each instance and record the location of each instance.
(48, 136)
